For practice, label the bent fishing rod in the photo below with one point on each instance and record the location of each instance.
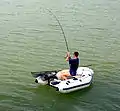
(61, 29)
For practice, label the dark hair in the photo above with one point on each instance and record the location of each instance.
(76, 54)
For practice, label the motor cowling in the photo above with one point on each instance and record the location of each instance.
(41, 80)
(45, 79)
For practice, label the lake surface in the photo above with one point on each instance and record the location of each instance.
(31, 40)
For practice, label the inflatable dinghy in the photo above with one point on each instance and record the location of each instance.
(82, 79)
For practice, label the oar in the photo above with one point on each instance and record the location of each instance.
(36, 74)
(85, 65)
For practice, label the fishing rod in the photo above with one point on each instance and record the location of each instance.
(61, 29)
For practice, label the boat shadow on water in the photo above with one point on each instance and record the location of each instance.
(46, 90)
(82, 91)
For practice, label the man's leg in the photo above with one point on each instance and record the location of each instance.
(64, 74)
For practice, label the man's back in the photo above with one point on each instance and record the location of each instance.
(74, 63)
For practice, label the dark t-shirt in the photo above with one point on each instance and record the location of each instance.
(74, 63)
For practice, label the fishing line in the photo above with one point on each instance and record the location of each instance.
(61, 29)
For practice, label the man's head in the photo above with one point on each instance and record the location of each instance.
(76, 54)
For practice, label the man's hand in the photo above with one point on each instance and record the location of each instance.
(67, 56)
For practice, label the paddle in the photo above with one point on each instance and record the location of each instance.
(86, 65)
(36, 74)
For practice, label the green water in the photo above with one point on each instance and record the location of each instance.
(31, 40)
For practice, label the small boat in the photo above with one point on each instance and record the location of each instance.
(82, 79)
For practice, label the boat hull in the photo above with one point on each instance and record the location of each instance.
(82, 80)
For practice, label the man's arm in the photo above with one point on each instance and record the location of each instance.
(68, 56)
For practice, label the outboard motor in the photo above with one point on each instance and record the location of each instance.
(44, 79)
